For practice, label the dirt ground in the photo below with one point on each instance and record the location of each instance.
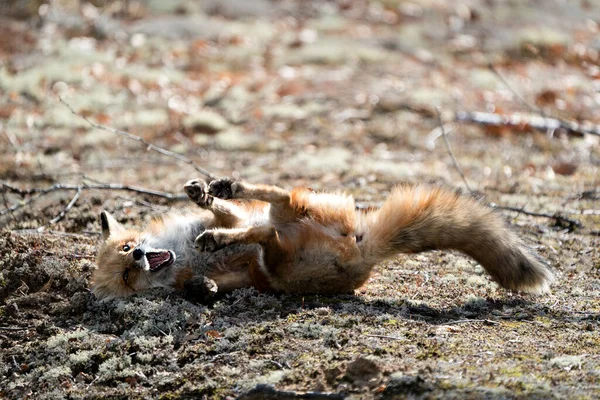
(336, 95)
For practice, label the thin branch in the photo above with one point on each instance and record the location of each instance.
(7, 207)
(517, 94)
(568, 223)
(82, 235)
(449, 148)
(39, 192)
(139, 139)
(499, 120)
(514, 120)
(64, 211)
(552, 122)
(86, 186)
(143, 203)
(17, 206)
(520, 121)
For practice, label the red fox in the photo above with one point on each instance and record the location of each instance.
(303, 242)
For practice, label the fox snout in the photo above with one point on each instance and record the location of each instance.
(138, 254)
(139, 260)
(149, 259)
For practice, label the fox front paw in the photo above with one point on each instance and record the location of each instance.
(200, 289)
(197, 191)
(224, 188)
(208, 241)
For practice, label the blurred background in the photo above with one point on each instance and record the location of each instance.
(326, 94)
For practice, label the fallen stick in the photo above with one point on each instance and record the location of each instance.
(515, 120)
(64, 211)
(86, 186)
(518, 95)
(568, 223)
(570, 127)
(39, 192)
(520, 121)
(83, 235)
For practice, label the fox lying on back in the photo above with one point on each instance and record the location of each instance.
(303, 242)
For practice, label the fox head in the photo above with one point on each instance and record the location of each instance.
(126, 263)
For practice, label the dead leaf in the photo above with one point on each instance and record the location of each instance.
(546, 97)
(6, 111)
(132, 381)
(103, 118)
(213, 334)
(565, 168)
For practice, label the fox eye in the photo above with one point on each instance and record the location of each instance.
(125, 275)
(126, 247)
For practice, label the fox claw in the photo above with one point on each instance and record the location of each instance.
(206, 242)
(223, 188)
(196, 189)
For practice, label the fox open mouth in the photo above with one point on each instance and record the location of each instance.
(159, 259)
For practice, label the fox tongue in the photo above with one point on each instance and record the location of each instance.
(157, 259)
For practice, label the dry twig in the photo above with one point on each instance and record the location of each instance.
(447, 142)
(517, 94)
(565, 222)
(518, 120)
(543, 122)
(85, 186)
(568, 223)
(82, 235)
(535, 121)
(139, 139)
(39, 192)
(64, 211)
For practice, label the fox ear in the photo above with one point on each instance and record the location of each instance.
(109, 224)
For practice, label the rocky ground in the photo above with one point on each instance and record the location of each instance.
(336, 95)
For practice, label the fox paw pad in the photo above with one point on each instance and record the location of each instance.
(224, 188)
(197, 191)
(207, 242)
(200, 289)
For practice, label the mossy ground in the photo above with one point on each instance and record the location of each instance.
(317, 100)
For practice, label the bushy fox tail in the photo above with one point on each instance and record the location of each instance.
(417, 219)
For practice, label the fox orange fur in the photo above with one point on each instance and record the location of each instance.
(303, 242)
